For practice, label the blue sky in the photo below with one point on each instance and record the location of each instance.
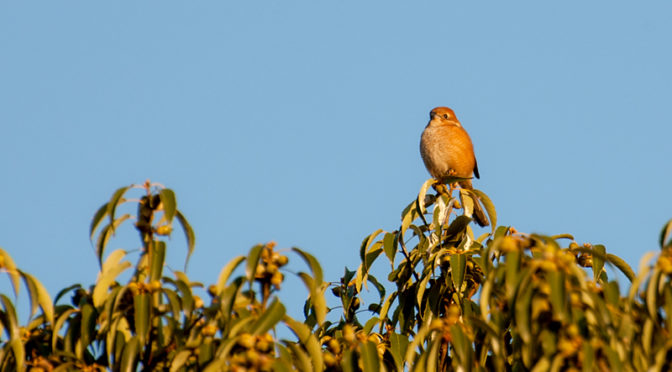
(299, 121)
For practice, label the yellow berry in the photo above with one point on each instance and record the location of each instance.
(246, 340)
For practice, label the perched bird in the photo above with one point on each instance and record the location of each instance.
(447, 151)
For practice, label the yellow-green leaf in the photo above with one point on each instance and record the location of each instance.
(169, 204)
(189, 234)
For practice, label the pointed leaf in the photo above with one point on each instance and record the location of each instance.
(252, 262)
(39, 296)
(111, 269)
(665, 235)
(398, 346)
(129, 358)
(114, 202)
(273, 314)
(309, 341)
(226, 272)
(314, 265)
(622, 265)
(11, 270)
(141, 307)
(100, 214)
(458, 264)
(169, 204)
(157, 257)
(369, 355)
(189, 234)
(598, 261)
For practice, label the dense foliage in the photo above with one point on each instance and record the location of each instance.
(503, 301)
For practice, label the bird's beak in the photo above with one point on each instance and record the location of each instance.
(432, 115)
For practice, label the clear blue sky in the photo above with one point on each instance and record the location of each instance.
(299, 121)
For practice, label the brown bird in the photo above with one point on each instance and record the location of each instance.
(447, 151)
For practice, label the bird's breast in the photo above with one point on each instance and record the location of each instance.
(446, 148)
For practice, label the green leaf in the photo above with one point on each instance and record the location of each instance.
(309, 341)
(556, 279)
(100, 214)
(367, 242)
(271, 316)
(11, 270)
(458, 264)
(113, 203)
(665, 235)
(398, 346)
(88, 325)
(652, 293)
(105, 234)
(523, 311)
(314, 265)
(252, 262)
(302, 360)
(369, 355)
(622, 265)
(38, 296)
(390, 246)
(316, 297)
(10, 322)
(189, 234)
(129, 358)
(226, 273)
(157, 257)
(179, 360)
(110, 270)
(489, 207)
(62, 318)
(169, 204)
(141, 307)
(598, 261)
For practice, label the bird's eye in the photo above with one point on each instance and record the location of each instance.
(445, 116)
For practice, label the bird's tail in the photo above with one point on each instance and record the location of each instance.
(478, 214)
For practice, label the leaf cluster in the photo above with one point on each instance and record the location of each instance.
(501, 301)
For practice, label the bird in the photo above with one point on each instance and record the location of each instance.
(447, 151)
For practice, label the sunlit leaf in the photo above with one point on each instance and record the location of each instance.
(169, 204)
(458, 264)
(309, 341)
(180, 359)
(227, 271)
(11, 270)
(38, 296)
(390, 246)
(113, 203)
(111, 269)
(398, 346)
(97, 218)
(622, 265)
(141, 307)
(189, 234)
(88, 325)
(252, 262)
(314, 265)
(271, 316)
(129, 358)
(369, 357)
(157, 256)
(665, 235)
(598, 261)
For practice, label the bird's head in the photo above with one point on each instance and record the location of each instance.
(443, 116)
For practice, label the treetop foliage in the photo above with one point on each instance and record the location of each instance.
(501, 301)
